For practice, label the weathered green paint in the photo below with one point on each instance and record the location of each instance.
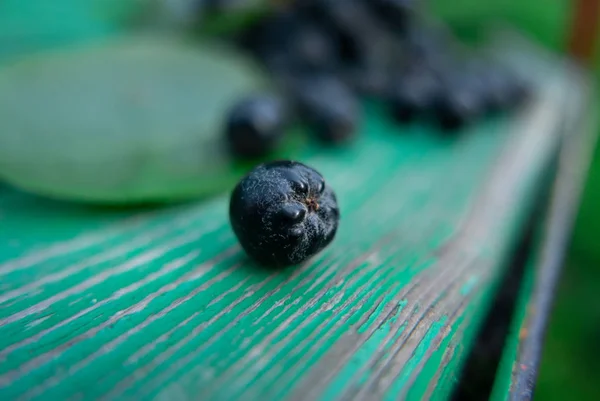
(428, 340)
(469, 285)
(363, 354)
(509, 362)
(518, 367)
(162, 304)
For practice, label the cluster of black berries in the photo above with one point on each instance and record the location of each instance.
(325, 54)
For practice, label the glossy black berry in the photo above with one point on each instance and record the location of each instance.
(370, 80)
(348, 23)
(255, 125)
(494, 85)
(500, 88)
(395, 13)
(283, 213)
(458, 103)
(429, 45)
(516, 88)
(289, 43)
(329, 106)
(413, 95)
(312, 49)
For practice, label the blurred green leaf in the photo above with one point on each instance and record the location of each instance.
(131, 121)
(195, 17)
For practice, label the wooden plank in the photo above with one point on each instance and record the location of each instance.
(517, 373)
(162, 304)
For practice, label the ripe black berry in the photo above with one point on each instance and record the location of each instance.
(516, 88)
(412, 95)
(329, 107)
(500, 88)
(283, 213)
(494, 84)
(429, 45)
(395, 13)
(289, 43)
(458, 103)
(369, 80)
(348, 24)
(255, 125)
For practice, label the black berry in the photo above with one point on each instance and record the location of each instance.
(413, 95)
(283, 213)
(430, 45)
(500, 88)
(495, 86)
(395, 13)
(255, 125)
(313, 49)
(370, 81)
(458, 103)
(349, 25)
(329, 106)
(289, 43)
(518, 89)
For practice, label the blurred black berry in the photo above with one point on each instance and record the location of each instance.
(255, 125)
(413, 95)
(329, 107)
(289, 43)
(458, 102)
(397, 14)
(500, 88)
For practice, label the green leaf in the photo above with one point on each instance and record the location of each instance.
(193, 16)
(135, 121)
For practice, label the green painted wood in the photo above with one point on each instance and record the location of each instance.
(162, 304)
(517, 373)
(509, 364)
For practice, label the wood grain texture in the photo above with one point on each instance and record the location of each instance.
(519, 366)
(162, 304)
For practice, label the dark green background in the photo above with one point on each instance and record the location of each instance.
(570, 366)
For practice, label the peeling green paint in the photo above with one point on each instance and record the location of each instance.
(426, 342)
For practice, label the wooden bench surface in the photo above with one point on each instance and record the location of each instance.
(518, 369)
(162, 304)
